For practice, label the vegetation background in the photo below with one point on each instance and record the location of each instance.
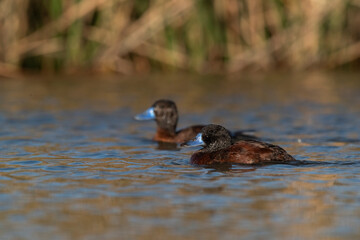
(204, 36)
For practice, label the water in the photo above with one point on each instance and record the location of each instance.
(75, 165)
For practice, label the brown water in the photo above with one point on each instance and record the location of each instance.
(75, 165)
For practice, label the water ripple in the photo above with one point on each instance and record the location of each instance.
(79, 167)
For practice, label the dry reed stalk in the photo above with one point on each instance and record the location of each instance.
(141, 30)
(356, 2)
(103, 36)
(116, 18)
(49, 46)
(161, 54)
(259, 55)
(256, 55)
(146, 49)
(343, 56)
(306, 48)
(256, 22)
(75, 12)
(231, 16)
(298, 44)
(9, 71)
(12, 27)
(98, 34)
(231, 34)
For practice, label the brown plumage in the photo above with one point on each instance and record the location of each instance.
(219, 149)
(165, 113)
(183, 135)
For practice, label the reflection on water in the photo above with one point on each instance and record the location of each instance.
(75, 165)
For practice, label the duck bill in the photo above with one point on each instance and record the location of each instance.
(149, 114)
(197, 141)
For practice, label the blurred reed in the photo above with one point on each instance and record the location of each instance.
(205, 36)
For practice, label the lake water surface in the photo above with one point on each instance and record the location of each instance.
(75, 165)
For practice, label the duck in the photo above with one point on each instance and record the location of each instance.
(166, 116)
(219, 148)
